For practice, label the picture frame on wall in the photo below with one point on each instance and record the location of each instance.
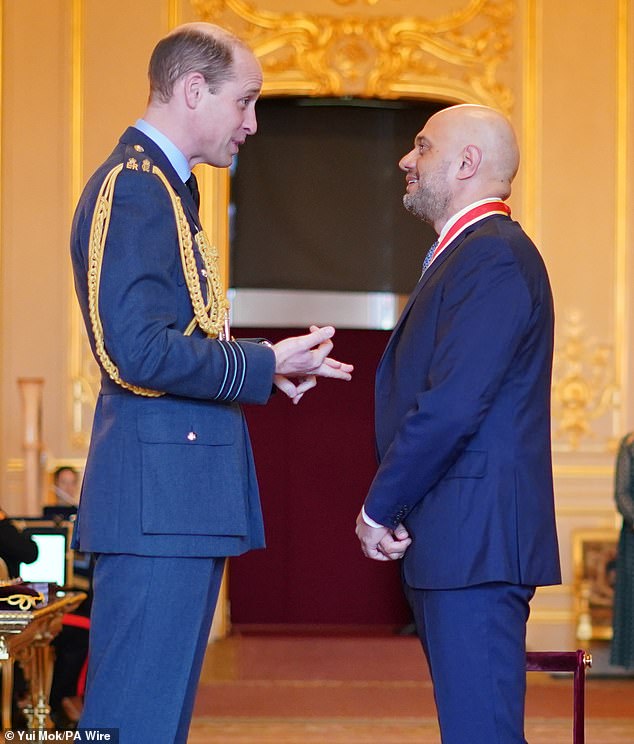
(594, 560)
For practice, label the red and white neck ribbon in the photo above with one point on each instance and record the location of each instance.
(467, 217)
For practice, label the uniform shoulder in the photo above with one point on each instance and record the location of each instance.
(135, 159)
(128, 161)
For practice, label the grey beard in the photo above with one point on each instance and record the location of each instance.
(413, 205)
(427, 207)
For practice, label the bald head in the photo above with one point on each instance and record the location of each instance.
(463, 154)
(491, 133)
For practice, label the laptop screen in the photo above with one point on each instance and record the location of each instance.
(50, 565)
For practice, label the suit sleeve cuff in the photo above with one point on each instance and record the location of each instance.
(248, 372)
(370, 522)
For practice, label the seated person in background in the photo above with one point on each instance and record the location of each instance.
(71, 644)
(15, 548)
(71, 653)
(65, 485)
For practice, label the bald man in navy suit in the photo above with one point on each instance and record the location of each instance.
(463, 493)
(170, 488)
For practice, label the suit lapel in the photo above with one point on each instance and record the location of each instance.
(416, 291)
(435, 266)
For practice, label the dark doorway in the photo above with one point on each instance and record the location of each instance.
(317, 197)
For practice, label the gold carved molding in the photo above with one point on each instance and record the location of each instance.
(585, 393)
(352, 2)
(83, 368)
(454, 57)
(531, 146)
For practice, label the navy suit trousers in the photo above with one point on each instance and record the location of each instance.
(474, 639)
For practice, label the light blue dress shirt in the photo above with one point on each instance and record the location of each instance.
(173, 154)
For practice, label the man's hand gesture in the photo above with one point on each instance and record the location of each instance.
(299, 360)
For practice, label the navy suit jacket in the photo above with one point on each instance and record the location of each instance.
(172, 475)
(463, 417)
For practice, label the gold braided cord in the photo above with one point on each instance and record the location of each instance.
(214, 283)
(209, 316)
(96, 246)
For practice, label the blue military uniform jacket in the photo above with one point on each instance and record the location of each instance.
(168, 475)
(462, 417)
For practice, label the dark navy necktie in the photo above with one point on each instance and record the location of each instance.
(192, 185)
(429, 256)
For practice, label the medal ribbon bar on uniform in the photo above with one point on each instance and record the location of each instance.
(475, 214)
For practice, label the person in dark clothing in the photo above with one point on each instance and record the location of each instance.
(71, 651)
(15, 548)
(622, 650)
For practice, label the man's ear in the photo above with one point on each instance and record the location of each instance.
(470, 162)
(194, 87)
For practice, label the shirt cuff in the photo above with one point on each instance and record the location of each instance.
(370, 522)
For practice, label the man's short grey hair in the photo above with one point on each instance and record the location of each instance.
(191, 50)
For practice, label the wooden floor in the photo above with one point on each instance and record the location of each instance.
(353, 690)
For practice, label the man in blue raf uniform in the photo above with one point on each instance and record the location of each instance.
(464, 489)
(169, 489)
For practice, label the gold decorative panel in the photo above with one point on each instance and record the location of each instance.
(454, 57)
(352, 2)
(585, 392)
(84, 371)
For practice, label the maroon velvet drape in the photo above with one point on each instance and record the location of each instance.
(315, 462)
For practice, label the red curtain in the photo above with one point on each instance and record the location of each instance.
(315, 462)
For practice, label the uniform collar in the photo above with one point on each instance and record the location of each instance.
(177, 160)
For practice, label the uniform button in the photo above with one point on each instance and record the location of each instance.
(192, 436)
(204, 273)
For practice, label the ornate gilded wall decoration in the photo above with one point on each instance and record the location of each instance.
(352, 2)
(585, 395)
(454, 57)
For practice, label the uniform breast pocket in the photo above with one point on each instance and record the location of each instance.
(194, 479)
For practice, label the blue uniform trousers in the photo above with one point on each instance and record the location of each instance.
(150, 624)
(474, 639)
